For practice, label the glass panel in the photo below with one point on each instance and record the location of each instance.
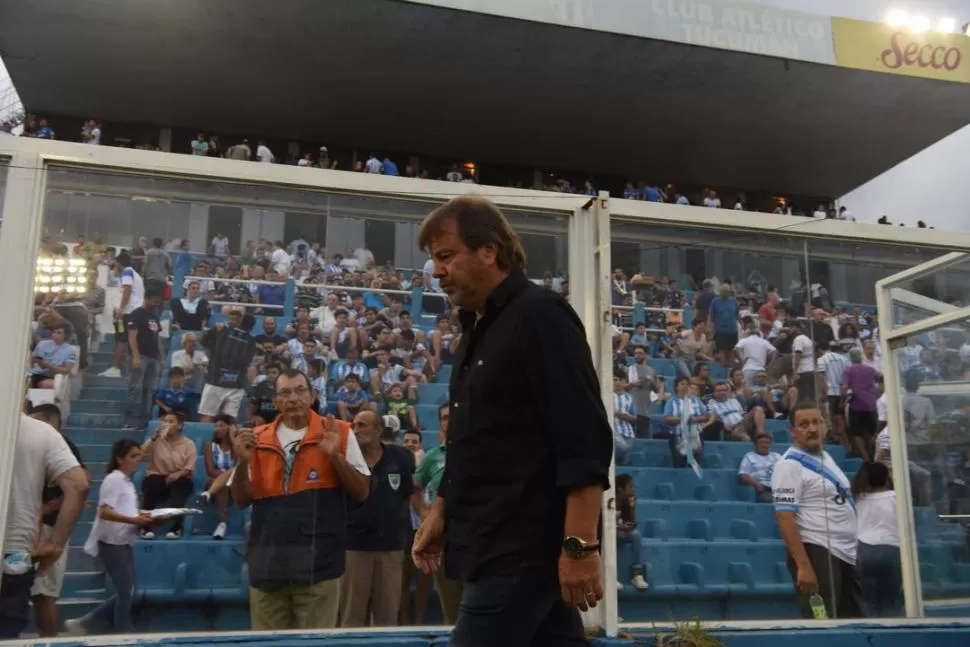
(706, 543)
(220, 238)
(689, 523)
(943, 291)
(936, 412)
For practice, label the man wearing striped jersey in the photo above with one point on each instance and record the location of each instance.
(817, 519)
(831, 365)
(624, 417)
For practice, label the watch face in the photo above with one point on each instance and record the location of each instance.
(573, 547)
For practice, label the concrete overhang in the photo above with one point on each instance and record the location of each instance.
(403, 76)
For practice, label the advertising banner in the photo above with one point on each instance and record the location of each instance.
(883, 48)
(723, 24)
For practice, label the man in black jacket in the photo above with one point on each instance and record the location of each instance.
(231, 350)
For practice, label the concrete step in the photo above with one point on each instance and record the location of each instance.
(92, 379)
(93, 453)
(96, 406)
(100, 420)
(99, 435)
(84, 584)
(103, 392)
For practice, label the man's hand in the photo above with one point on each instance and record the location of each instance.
(243, 441)
(759, 488)
(581, 581)
(429, 542)
(171, 478)
(136, 361)
(45, 554)
(806, 582)
(330, 441)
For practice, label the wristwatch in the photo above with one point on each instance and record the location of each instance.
(576, 548)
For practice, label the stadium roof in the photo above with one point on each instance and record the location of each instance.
(392, 75)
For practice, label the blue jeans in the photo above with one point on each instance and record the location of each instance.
(882, 580)
(119, 564)
(14, 607)
(517, 610)
(142, 383)
(634, 540)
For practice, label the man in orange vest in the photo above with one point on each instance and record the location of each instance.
(297, 472)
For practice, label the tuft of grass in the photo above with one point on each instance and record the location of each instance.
(688, 633)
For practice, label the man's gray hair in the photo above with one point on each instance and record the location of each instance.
(855, 355)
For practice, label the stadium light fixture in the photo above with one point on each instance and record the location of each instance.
(898, 18)
(919, 24)
(61, 275)
(947, 25)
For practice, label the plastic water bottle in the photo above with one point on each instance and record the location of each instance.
(17, 563)
(818, 607)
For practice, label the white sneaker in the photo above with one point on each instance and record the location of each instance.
(111, 372)
(220, 531)
(75, 627)
(173, 534)
(639, 583)
(148, 534)
(619, 586)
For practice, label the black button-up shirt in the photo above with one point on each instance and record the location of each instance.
(527, 425)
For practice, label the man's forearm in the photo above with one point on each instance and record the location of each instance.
(583, 507)
(70, 512)
(240, 488)
(793, 539)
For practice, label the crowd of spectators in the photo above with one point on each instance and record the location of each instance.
(245, 150)
(713, 361)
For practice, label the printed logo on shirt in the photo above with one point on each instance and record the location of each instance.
(313, 476)
(394, 480)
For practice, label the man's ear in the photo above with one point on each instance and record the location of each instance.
(488, 254)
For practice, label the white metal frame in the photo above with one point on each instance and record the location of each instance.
(892, 338)
(589, 265)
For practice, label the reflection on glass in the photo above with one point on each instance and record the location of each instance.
(942, 291)
(719, 335)
(936, 411)
(181, 302)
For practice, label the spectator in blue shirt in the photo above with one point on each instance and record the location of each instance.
(175, 398)
(271, 295)
(653, 194)
(52, 356)
(390, 168)
(722, 319)
(351, 399)
(44, 131)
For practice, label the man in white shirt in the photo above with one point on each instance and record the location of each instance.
(279, 259)
(192, 360)
(264, 154)
(220, 245)
(373, 165)
(816, 515)
(42, 457)
(756, 352)
(132, 297)
(803, 365)
(831, 365)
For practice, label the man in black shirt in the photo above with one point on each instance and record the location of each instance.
(529, 445)
(47, 586)
(262, 403)
(146, 359)
(376, 530)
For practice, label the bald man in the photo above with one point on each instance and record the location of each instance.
(376, 530)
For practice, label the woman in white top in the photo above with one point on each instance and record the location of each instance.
(878, 561)
(115, 530)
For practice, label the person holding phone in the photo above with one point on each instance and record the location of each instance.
(171, 462)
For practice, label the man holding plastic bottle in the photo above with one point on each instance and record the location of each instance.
(816, 515)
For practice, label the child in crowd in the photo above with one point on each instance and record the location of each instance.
(401, 407)
(351, 399)
(176, 397)
(626, 530)
(219, 462)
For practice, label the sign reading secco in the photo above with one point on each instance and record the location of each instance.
(882, 48)
(724, 24)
